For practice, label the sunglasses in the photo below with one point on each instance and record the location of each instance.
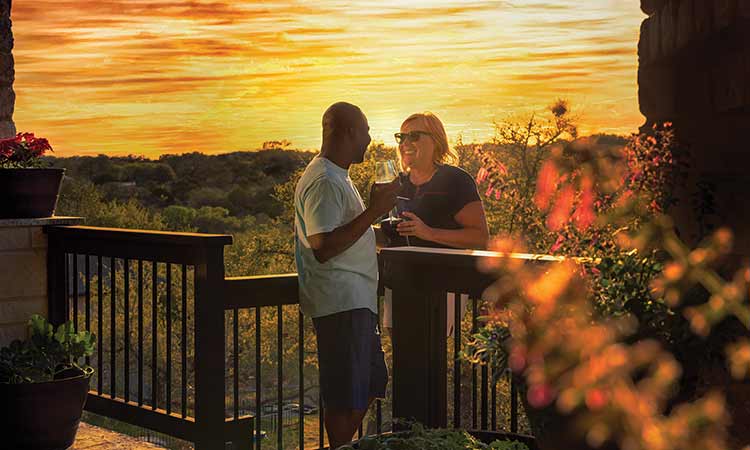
(412, 136)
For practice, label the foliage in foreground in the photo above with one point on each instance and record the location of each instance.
(419, 438)
(582, 335)
(46, 354)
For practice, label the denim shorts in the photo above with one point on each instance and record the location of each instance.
(352, 363)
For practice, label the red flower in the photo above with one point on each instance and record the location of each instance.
(22, 150)
(561, 210)
(540, 395)
(546, 185)
(558, 243)
(584, 214)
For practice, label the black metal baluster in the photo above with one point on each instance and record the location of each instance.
(168, 314)
(75, 292)
(279, 377)
(87, 311)
(378, 416)
(493, 420)
(140, 332)
(513, 405)
(321, 420)
(457, 361)
(126, 302)
(184, 341)
(378, 402)
(301, 341)
(236, 361)
(66, 288)
(113, 328)
(100, 319)
(484, 399)
(258, 399)
(474, 367)
(154, 334)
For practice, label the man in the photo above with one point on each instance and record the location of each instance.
(338, 271)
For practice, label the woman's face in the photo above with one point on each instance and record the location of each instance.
(416, 153)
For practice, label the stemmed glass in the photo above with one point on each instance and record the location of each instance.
(385, 172)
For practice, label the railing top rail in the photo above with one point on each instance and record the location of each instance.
(141, 236)
(260, 290)
(450, 257)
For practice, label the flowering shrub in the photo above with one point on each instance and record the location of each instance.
(593, 340)
(23, 150)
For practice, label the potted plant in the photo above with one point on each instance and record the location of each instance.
(29, 190)
(417, 437)
(43, 386)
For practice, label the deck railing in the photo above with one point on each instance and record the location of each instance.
(185, 351)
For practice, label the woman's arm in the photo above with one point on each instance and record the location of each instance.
(474, 233)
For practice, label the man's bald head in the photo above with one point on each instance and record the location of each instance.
(340, 117)
(345, 133)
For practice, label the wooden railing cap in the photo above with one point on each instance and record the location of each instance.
(141, 236)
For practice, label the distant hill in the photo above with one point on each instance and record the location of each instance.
(241, 182)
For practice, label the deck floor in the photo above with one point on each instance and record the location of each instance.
(91, 437)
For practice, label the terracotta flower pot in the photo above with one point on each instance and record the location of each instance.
(29, 193)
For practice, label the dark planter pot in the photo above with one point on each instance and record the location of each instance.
(29, 193)
(43, 416)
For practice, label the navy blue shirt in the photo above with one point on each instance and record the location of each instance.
(436, 202)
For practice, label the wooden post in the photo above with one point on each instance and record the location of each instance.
(419, 347)
(209, 351)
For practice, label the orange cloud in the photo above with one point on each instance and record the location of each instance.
(150, 77)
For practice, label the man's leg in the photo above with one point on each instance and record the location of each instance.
(341, 424)
(352, 370)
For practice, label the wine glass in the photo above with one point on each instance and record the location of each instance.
(385, 171)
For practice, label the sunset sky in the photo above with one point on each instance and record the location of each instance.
(171, 76)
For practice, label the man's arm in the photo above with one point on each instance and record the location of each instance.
(327, 245)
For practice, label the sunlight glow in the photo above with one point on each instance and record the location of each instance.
(153, 77)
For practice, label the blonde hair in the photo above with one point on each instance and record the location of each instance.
(444, 154)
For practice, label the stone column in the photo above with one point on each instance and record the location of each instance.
(7, 73)
(23, 272)
(694, 71)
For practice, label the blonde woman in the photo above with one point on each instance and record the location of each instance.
(445, 209)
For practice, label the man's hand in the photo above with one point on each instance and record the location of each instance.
(327, 245)
(383, 197)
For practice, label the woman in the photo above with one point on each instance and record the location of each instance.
(445, 209)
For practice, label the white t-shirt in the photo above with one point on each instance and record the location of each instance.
(325, 199)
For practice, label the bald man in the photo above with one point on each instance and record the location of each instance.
(338, 271)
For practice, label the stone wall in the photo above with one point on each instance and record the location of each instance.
(694, 71)
(7, 73)
(23, 272)
(23, 278)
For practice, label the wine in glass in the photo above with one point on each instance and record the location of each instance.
(385, 171)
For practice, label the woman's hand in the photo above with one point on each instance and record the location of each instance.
(414, 227)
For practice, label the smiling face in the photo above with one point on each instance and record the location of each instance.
(417, 154)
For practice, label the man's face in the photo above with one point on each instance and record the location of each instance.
(361, 138)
